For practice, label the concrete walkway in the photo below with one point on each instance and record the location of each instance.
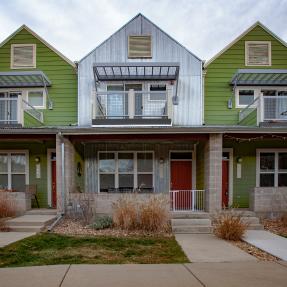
(209, 248)
(236, 274)
(269, 242)
(7, 238)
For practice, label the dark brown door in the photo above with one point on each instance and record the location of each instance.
(225, 183)
(181, 180)
(54, 185)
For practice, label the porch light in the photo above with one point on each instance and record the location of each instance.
(37, 159)
(161, 160)
(239, 159)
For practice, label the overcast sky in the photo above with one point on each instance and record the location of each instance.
(75, 27)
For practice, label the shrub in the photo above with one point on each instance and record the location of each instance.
(284, 219)
(125, 212)
(229, 225)
(102, 222)
(153, 214)
(7, 206)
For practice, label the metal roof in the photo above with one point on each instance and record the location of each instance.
(136, 71)
(23, 79)
(260, 77)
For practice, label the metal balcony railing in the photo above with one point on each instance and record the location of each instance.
(132, 105)
(274, 108)
(244, 113)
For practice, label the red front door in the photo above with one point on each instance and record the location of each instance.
(54, 185)
(181, 181)
(225, 183)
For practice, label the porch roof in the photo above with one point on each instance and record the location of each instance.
(259, 77)
(23, 79)
(136, 71)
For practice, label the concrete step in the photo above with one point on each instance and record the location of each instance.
(41, 211)
(255, 227)
(26, 228)
(183, 215)
(250, 219)
(192, 229)
(190, 221)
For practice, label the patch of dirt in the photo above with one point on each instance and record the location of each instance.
(254, 251)
(75, 227)
(275, 226)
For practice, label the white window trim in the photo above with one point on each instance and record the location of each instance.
(135, 171)
(247, 55)
(276, 151)
(12, 56)
(9, 152)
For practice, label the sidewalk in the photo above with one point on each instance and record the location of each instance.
(269, 242)
(7, 238)
(209, 248)
(235, 274)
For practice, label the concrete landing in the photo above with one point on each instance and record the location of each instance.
(209, 248)
(269, 242)
(7, 238)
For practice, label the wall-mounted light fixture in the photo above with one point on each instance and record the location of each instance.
(161, 160)
(239, 159)
(37, 159)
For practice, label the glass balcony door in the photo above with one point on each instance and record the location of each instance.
(9, 107)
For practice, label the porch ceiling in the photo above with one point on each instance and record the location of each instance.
(23, 79)
(259, 77)
(136, 71)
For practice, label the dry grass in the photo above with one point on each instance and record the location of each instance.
(7, 206)
(132, 212)
(284, 219)
(229, 225)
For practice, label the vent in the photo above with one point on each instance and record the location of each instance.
(258, 54)
(139, 46)
(23, 56)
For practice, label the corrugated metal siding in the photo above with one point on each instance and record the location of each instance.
(164, 49)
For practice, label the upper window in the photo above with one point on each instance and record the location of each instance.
(257, 53)
(139, 46)
(245, 97)
(158, 93)
(36, 99)
(23, 56)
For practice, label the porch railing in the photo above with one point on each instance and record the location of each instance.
(132, 104)
(38, 115)
(187, 200)
(245, 112)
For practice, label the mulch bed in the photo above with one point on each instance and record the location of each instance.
(275, 226)
(75, 227)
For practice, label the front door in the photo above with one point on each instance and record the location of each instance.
(225, 182)
(54, 184)
(181, 182)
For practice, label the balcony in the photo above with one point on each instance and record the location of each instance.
(132, 108)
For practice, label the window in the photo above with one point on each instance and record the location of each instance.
(23, 56)
(36, 99)
(13, 170)
(158, 93)
(257, 53)
(125, 171)
(245, 97)
(272, 168)
(139, 46)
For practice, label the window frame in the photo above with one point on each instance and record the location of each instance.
(9, 172)
(247, 43)
(12, 65)
(44, 97)
(276, 166)
(135, 172)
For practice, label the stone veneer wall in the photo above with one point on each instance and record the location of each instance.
(268, 201)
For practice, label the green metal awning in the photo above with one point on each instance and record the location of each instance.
(23, 79)
(260, 77)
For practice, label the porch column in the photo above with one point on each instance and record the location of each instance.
(66, 169)
(213, 172)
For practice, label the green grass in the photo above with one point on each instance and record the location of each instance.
(49, 249)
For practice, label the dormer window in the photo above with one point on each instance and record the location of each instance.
(139, 46)
(257, 53)
(23, 56)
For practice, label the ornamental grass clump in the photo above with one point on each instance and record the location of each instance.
(7, 206)
(229, 225)
(284, 219)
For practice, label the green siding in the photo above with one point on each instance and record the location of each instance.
(220, 72)
(30, 121)
(63, 91)
(35, 150)
(250, 120)
(247, 151)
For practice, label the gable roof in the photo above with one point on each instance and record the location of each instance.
(41, 40)
(241, 36)
(144, 17)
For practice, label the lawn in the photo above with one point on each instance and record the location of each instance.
(49, 249)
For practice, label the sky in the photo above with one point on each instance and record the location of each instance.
(75, 27)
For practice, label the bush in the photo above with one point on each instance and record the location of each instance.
(284, 219)
(7, 206)
(229, 225)
(102, 222)
(135, 212)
